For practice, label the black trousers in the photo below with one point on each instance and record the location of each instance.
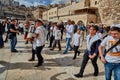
(51, 41)
(85, 61)
(48, 36)
(6, 38)
(76, 51)
(57, 42)
(33, 54)
(61, 35)
(38, 53)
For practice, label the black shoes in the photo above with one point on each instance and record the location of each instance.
(78, 75)
(31, 59)
(49, 46)
(51, 49)
(15, 50)
(74, 58)
(38, 65)
(95, 74)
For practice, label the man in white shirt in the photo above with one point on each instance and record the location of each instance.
(112, 58)
(69, 33)
(40, 35)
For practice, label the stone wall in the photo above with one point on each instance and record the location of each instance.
(109, 11)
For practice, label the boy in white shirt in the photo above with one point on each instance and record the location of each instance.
(40, 35)
(77, 41)
(57, 38)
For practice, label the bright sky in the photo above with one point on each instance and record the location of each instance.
(40, 2)
(33, 2)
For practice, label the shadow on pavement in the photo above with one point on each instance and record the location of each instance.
(19, 65)
(56, 75)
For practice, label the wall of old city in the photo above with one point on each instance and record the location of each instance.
(69, 12)
(38, 12)
(109, 11)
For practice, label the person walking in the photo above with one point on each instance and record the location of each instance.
(77, 41)
(40, 36)
(57, 38)
(69, 34)
(111, 56)
(13, 32)
(91, 52)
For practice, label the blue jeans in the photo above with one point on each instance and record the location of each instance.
(109, 67)
(1, 40)
(13, 43)
(67, 45)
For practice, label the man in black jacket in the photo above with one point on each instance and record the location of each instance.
(91, 52)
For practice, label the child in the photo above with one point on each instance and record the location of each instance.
(57, 38)
(77, 41)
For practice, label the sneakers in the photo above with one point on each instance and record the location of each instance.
(78, 75)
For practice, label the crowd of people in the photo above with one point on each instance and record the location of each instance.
(101, 41)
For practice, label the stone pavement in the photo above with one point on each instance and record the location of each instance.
(57, 66)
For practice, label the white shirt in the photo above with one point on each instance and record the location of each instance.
(69, 31)
(54, 29)
(34, 44)
(77, 39)
(51, 30)
(57, 34)
(106, 43)
(90, 40)
(40, 40)
(21, 25)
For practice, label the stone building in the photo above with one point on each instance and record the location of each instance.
(109, 11)
(11, 8)
(85, 10)
(9, 3)
(37, 12)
